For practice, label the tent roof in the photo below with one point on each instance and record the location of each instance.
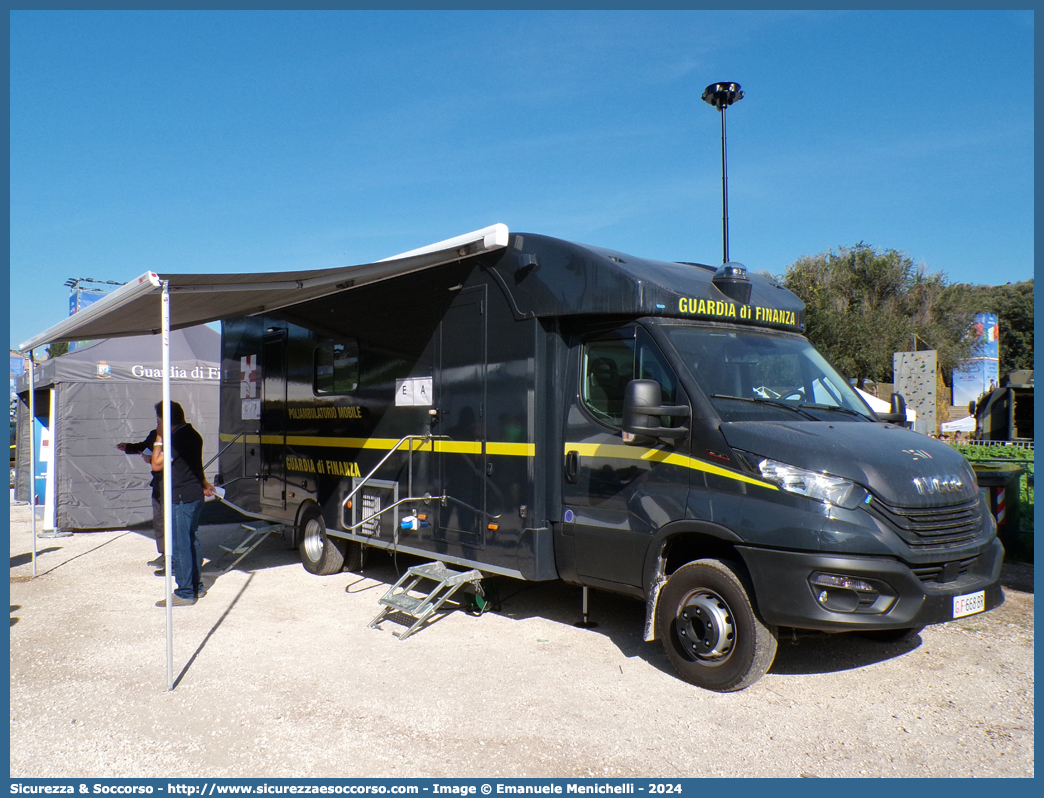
(876, 404)
(193, 343)
(879, 405)
(188, 348)
(134, 309)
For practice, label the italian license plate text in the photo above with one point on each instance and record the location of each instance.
(969, 604)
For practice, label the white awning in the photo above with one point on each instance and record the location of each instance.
(134, 309)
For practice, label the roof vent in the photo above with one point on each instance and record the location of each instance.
(731, 280)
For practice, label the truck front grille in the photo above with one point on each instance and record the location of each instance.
(944, 572)
(931, 526)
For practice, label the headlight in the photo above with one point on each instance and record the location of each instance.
(821, 487)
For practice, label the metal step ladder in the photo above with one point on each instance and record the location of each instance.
(256, 533)
(401, 598)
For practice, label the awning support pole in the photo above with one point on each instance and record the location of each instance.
(32, 454)
(168, 509)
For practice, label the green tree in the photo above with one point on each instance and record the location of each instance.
(863, 304)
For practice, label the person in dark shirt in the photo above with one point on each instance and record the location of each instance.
(189, 487)
(144, 448)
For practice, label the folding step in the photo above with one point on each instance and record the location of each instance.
(403, 596)
(256, 533)
(403, 603)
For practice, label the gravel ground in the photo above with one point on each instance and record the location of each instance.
(277, 675)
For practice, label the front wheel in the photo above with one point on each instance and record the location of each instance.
(708, 627)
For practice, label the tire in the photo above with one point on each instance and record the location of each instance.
(709, 629)
(320, 553)
(890, 635)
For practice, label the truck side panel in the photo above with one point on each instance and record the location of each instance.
(437, 352)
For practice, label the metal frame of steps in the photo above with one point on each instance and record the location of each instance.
(399, 598)
(255, 535)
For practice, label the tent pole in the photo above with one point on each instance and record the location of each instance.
(167, 484)
(32, 453)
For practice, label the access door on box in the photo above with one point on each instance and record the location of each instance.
(460, 389)
(273, 418)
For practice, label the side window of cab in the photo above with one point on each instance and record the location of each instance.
(611, 360)
(607, 365)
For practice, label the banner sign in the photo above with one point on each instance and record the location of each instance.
(979, 374)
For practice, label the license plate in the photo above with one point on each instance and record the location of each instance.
(969, 604)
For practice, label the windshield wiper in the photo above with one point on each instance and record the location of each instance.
(838, 408)
(759, 400)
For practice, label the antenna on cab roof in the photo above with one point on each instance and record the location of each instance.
(721, 96)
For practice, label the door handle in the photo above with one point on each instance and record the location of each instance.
(572, 465)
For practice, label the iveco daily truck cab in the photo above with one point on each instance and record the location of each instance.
(546, 410)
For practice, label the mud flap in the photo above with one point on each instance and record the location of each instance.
(650, 609)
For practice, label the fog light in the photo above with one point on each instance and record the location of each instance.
(839, 593)
(847, 582)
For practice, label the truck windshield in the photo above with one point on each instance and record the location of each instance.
(756, 376)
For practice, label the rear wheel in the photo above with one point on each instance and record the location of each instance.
(708, 627)
(320, 553)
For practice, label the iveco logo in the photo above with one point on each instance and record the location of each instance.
(929, 485)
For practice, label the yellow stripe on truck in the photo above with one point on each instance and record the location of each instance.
(605, 450)
(449, 447)
(614, 451)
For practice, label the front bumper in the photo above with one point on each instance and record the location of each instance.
(785, 596)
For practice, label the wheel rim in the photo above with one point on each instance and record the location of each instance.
(313, 540)
(704, 628)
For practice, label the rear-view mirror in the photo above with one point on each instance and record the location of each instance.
(897, 412)
(642, 412)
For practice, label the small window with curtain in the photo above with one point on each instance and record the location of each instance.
(336, 368)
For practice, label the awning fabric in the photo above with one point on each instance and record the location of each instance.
(134, 309)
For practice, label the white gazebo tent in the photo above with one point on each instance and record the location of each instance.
(879, 405)
(143, 306)
(966, 424)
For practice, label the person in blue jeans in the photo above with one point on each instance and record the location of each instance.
(189, 487)
(145, 450)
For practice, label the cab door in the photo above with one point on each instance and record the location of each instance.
(615, 495)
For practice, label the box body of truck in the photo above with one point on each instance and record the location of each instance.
(555, 411)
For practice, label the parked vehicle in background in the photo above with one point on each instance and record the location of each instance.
(1006, 412)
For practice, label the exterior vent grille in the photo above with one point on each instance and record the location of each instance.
(944, 572)
(931, 526)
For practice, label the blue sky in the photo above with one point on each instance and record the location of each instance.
(262, 141)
